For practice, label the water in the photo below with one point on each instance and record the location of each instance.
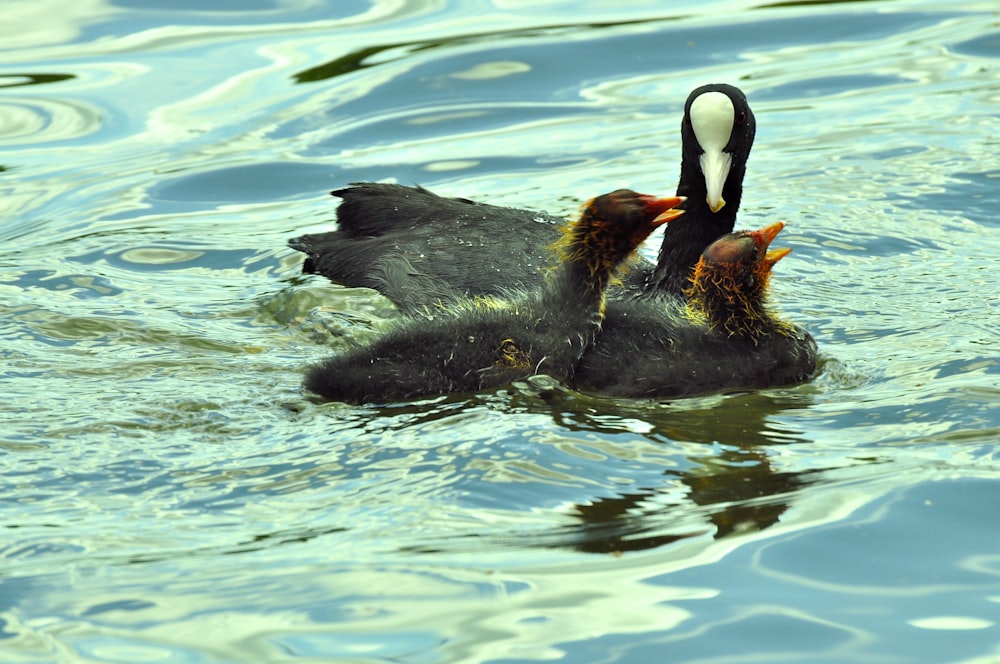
(169, 495)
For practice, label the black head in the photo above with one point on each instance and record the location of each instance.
(717, 134)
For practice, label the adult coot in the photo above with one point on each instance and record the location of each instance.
(419, 248)
(722, 337)
(488, 341)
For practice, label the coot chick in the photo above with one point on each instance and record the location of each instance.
(488, 341)
(418, 248)
(723, 337)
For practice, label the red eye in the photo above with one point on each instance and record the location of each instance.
(741, 118)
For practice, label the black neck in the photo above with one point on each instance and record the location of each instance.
(684, 239)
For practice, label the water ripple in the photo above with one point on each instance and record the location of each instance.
(25, 121)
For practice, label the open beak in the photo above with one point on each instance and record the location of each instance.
(765, 237)
(663, 208)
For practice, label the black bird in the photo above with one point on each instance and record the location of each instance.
(722, 337)
(487, 341)
(418, 248)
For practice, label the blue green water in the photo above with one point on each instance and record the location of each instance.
(169, 494)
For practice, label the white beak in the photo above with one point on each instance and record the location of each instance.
(715, 167)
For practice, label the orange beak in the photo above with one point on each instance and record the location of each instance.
(776, 255)
(663, 208)
(767, 234)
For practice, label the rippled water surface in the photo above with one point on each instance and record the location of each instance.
(170, 495)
